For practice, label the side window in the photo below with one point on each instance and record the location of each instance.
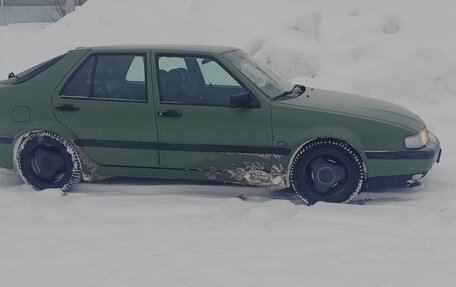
(195, 81)
(114, 77)
(120, 77)
(79, 84)
(215, 75)
(169, 63)
(177, 85)
(137, 73)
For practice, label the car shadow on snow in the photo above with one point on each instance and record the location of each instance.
(164, 187)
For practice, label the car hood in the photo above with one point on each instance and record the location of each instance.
(357, 106)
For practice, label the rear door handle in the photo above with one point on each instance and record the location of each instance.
(170, 114)
(67, 108)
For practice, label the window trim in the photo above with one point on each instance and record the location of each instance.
(73, 74)
(93, 75)
(256, 104)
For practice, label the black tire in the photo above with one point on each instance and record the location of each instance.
(327, 170)
(45, 160)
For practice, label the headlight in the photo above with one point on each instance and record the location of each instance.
(417, 141)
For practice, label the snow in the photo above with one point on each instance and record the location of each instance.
(161, 233)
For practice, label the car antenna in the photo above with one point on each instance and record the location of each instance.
(12, 75)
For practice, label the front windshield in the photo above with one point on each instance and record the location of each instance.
(266, 80)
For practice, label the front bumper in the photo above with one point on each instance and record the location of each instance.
(382, 182)
(435, 147)
(402, 168)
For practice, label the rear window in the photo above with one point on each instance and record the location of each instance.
(32, 72)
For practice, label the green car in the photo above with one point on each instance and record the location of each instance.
(201, 113)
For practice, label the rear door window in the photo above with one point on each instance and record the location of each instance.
(110, 77)
(80, 83)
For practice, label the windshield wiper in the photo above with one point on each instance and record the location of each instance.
(297, 91)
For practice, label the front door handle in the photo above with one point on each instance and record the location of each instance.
(66, 108)
(170, 114)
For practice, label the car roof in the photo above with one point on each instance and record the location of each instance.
(207, 49)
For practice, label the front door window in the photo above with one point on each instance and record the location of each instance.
(196, 81)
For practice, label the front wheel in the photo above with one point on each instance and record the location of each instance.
(45, 160)
(327, 170)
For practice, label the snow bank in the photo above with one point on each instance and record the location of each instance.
(149, 232)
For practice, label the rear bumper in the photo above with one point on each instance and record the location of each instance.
(6, 154)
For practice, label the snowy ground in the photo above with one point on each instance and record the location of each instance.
(157, 233)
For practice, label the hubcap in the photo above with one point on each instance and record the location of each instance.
(327, 174)
(48, 163)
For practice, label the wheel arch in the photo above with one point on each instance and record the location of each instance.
(89, 168)
(53, 127)
(27, 144)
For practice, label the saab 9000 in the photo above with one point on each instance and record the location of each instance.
(201, 113)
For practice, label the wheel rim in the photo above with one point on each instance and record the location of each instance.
(327, 174)
(48, 163)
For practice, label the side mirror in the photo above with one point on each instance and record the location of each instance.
(11, 75)
(240, 100)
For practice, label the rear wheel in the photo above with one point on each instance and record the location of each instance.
(46, 160)
(327, 170)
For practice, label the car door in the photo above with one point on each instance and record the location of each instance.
(197, 129)
(105, 102)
